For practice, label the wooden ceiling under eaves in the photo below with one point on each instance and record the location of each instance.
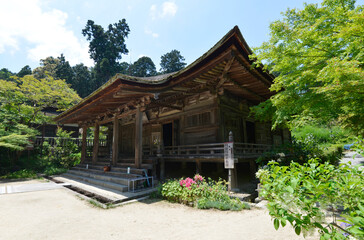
(225, 67)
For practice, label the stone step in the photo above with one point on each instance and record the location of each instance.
(104, 184)
(122, 174)
(119, 168)
(102, 177)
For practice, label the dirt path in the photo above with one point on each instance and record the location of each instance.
(59, 214)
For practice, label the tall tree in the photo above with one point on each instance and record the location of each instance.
(48, 67)
(172, 62)
(64, 70)
(26, 70)
(106, 47)
(143, 67)
(82, 80)
(319, 55)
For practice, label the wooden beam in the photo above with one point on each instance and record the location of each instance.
(84, 143)
(95, 151)
(244, 88)
(162, 104)
(224, 73)
(138, 138)
(254, 72)
(115, 141)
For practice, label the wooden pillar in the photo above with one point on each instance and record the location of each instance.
(245, 133)
(115, 141)
(234, 179)
(84, 143)
(95, 151)
(198, 166)
(162, 169)
(252, 168)
(138, 138)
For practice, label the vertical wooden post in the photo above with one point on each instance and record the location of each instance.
(95, 151)
(252, 168)
(233, 176)
(84, 143)
(198, 166)
(245, 133)
(138, 138)
(115, 141)
(162, 169)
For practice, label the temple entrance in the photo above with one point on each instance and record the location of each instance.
(250, 132)
(167, 134)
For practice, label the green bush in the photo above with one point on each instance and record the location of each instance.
(25, 173)
(65, 153)
(232, 204)
(303, 195)
(51, 170)
(200, 193)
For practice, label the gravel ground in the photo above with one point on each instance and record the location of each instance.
(60, 214)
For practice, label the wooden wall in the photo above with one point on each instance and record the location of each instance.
(204, 118)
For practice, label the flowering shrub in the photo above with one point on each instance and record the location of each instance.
(200, 193)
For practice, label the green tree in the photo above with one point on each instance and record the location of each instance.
(172, 62)
(82, 80)
(319, 54)
(48, 67)
(21, 103)
(106, 47)
(124, 68)
(64, 70)
(143, 67)
(5, 74)
(26, 70)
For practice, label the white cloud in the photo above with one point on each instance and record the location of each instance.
(167, 9)
(153, 34)
(25, 26)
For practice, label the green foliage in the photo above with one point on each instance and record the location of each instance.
(52, 170)
(65, 153)
(301, 151)
(143, 67)
(26, 70)
(200, 193)
(5, 74)
(303, 194)
(323, 136)
(21, 174)
(231, 204)
(81, 81)
(106, 48)
(172, 62)
(318, 53)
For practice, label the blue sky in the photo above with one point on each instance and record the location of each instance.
(34, 29)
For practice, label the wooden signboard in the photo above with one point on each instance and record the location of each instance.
(229, 155)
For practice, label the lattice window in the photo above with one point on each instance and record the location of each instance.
(199, 119)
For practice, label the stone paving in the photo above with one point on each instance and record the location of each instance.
(6, 188)
(354, 158)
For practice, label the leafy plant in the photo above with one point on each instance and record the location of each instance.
(303, 195)
(200, 193)
(65, 153)
(24, 173)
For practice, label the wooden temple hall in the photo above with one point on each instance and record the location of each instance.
(181, 119)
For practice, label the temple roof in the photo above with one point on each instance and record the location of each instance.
(224, 67)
